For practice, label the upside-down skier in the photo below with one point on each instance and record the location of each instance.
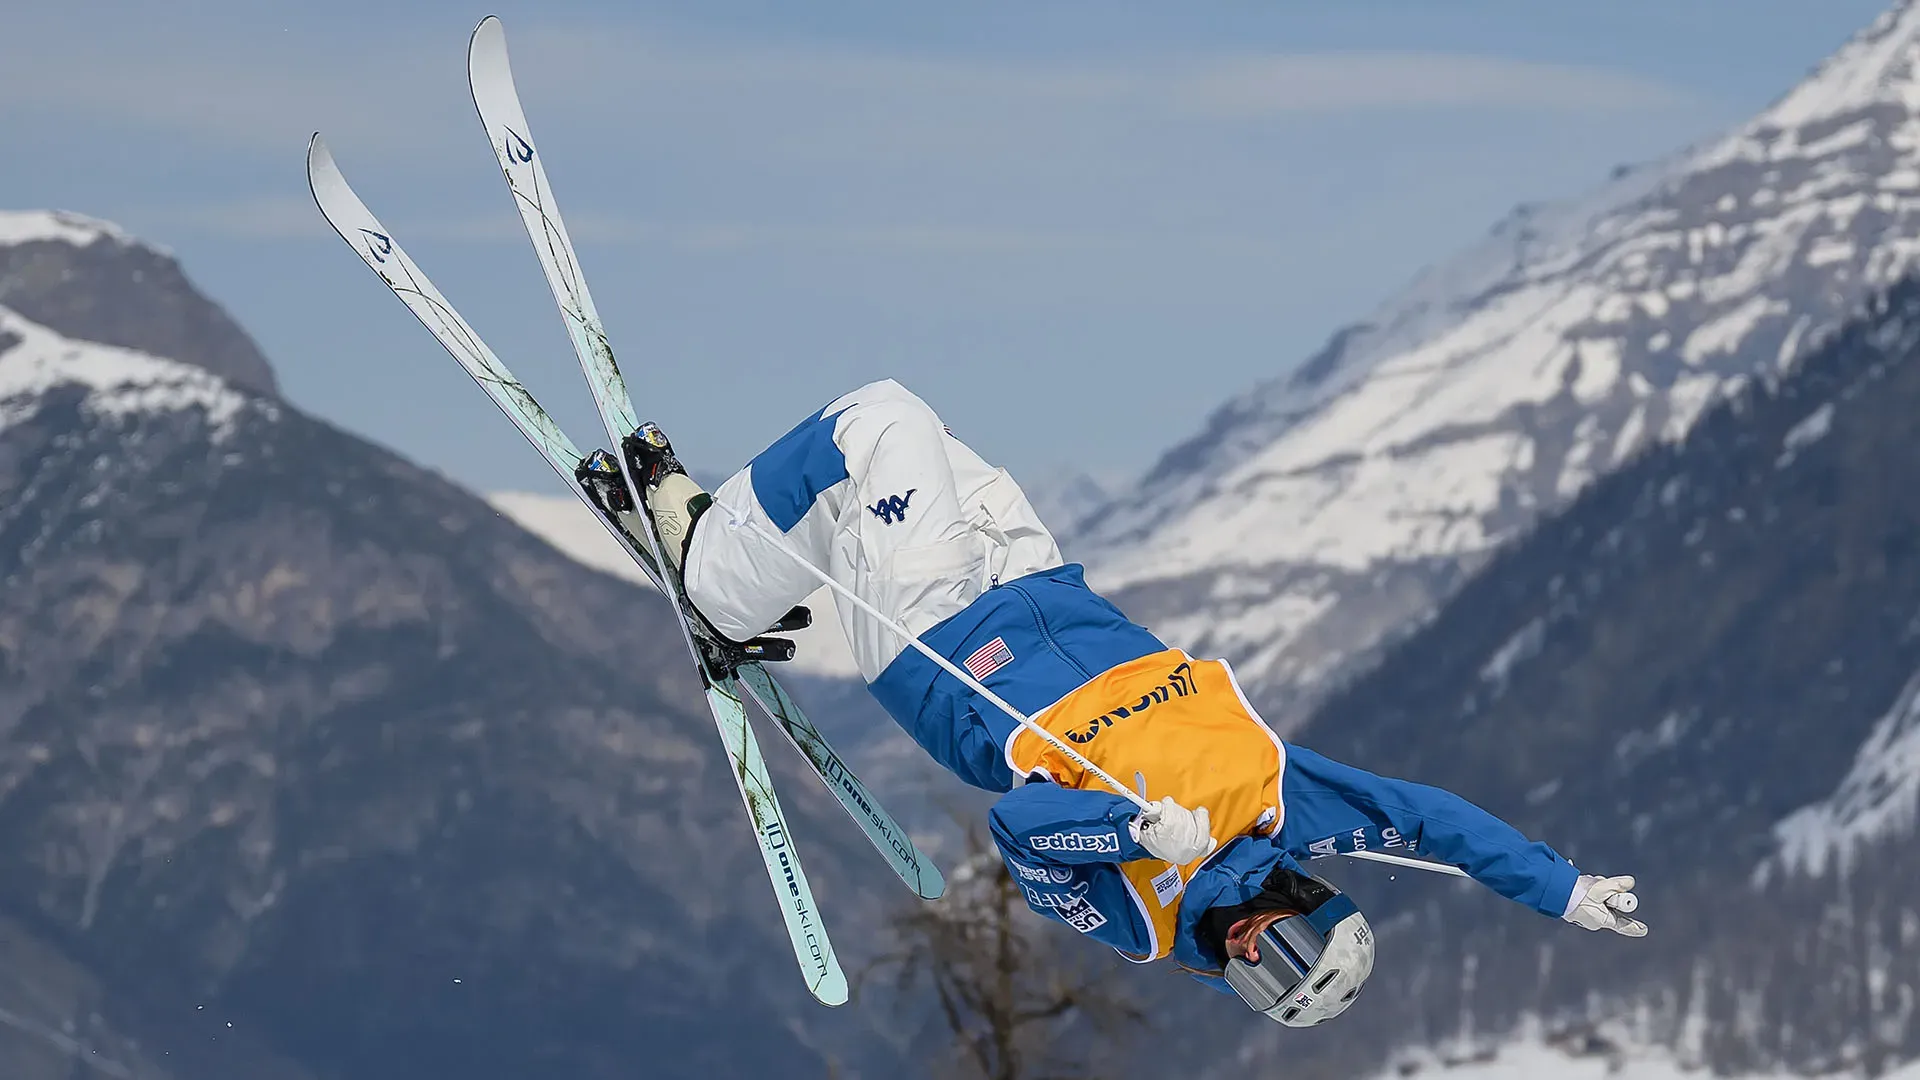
(876, 493)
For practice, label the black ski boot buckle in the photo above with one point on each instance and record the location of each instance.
(727, 654)
(649, 454)
(599, 474)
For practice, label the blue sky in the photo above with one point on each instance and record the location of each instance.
(1076, 228)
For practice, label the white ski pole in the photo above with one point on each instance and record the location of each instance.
(735, 519)
(1402, 860)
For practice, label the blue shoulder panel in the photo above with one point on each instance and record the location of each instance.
(801, 464)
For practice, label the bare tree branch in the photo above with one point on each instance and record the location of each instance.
(1011, 991)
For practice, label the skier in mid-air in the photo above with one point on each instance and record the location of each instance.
(877, 493)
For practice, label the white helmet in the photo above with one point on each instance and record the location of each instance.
(1312, 964)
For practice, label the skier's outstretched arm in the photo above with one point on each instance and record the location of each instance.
(1334, 808)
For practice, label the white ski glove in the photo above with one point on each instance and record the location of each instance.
(1172, 833)
(1603, 903)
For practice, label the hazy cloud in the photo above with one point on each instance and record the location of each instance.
(294, 217)
(1345, 82)
(395, 90)
(805, 201)
(259, 217)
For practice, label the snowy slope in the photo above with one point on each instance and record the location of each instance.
(28, 226)
(1324, 511)
(90, 280)
(1064, 495)
(35, 361)
(561, 520)
(1702, 672)
(1535, 1058)
(1876, 800)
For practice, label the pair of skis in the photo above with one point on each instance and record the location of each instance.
(726, 683)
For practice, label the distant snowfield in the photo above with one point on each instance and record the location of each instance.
(120, 381)
(1533, 1059)
(566, 523)
(28, 226)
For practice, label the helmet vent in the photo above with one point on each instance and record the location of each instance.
(1326, 980)
(1287, 1017)
(1351, 994)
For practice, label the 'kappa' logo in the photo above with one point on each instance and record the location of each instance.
(1107, 843)
(893, 508)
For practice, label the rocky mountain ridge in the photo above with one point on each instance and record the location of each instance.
(302, 739)
(1702, 673)
(89, 280)
(1328, 511)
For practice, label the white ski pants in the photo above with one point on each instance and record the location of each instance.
(874, 490)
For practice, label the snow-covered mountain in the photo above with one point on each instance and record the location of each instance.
(1705, 672)
(19, 227)
(1875, 802)
(89, 280)
(1324, 512)
(313, 765)
(1064, 495)
(117, 381)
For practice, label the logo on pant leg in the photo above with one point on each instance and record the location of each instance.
(892, 508)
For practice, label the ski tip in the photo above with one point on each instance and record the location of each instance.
(932, 885)
(319, 162)
(489, 73)
(488, 33)
(831, 990)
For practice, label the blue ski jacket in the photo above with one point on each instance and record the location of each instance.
(1048, 634)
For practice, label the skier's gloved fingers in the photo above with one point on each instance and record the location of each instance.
(1173, 833)
(1204, 822)
(1619, 924)
(1608, 887)
(1597, 904)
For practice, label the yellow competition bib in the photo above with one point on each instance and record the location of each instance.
(1184, 726)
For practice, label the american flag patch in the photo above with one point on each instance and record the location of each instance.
(988, 658)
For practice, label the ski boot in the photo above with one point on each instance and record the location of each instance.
(675, 503)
